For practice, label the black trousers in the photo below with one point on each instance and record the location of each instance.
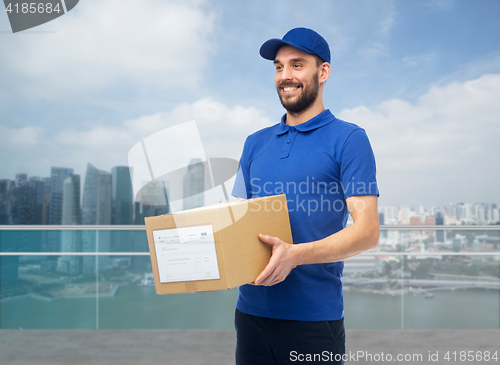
(267, 341)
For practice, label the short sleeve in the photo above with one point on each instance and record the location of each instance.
(358, 170)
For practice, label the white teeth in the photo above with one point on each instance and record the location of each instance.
(290, 88)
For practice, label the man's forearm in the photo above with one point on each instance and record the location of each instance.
(361, 236)
(349, 242)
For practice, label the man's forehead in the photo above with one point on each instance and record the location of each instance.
(286, 53)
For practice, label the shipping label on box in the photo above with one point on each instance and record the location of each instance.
(186, 254)
(215, 247)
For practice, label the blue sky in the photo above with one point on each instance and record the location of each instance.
(422, 77)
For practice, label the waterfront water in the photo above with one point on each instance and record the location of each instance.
(459, 309)
(139, 307)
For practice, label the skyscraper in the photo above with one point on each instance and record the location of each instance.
(96, 202)
(37, 192)
(193, 185)
(121, 196)
(57, 177)
(381, 219)
(12, 208)
(71, 241)
(121, 208)
(439, 222)
(21, 179)
(46, 200)
(71, 212)
(96, 209)
(4, 185)
(53, 238)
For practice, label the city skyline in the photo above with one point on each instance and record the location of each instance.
(117, 205)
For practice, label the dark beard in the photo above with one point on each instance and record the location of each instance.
(305, 100)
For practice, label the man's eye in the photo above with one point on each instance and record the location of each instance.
(296, 66)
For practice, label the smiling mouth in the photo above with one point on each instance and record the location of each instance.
(289, 89)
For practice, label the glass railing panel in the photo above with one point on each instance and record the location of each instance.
(30, 240)
(372, 293)
(132, 303)
(71, 279)
(451, 292)
(78, 240)
(34, 295)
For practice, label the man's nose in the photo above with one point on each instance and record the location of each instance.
(286, 73)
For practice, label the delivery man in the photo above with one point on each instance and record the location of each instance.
(294, 309)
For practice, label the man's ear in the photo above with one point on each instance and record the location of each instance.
(325, 70)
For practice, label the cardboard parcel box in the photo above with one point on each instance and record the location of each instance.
(215, 247)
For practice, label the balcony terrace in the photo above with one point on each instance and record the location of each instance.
(81, 295)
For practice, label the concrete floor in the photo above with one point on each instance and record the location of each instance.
(186, 347)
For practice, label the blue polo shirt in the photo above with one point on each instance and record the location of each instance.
(317, 164)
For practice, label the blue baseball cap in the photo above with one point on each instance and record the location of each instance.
(304, 39)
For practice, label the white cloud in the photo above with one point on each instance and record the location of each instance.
(388, 21)
(380, 34)
(22, 137)
(442, 148)
(166, 44)
(417, 60)
(22, 150)
(222, 128)
(445, 146)
(439, 5)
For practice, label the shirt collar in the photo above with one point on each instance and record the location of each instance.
(319, 120)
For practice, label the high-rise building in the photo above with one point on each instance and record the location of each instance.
(152, 200)
(96, 209)
(121, 208)
(52, 243)
(4, 186)
(451, 211)
(496, 215)
(404, 215)
(439, 222)
(71, 211)
(121, 196)
(71, 241)
(479, 213)
(57, 177)
(46, 200)
(415, 220)
(36, 188)
(21, 179)
(96, 202)
(193, 185)
(381, 220)
(429, 221)
(390, 214)
(15, 204)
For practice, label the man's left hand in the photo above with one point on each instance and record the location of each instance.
(281, 263)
